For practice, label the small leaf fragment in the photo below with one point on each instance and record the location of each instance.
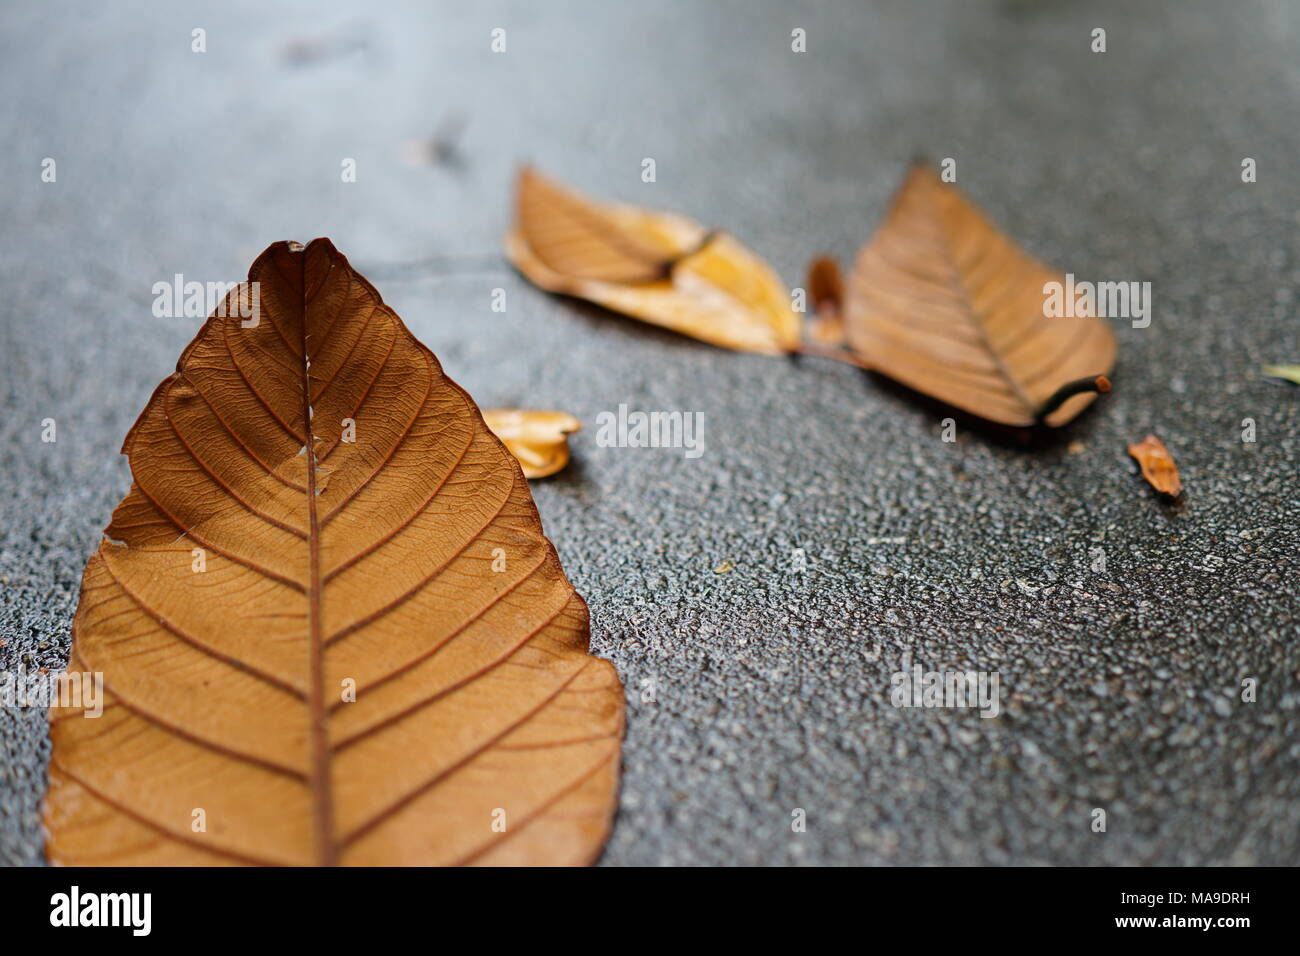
(826, 300)
(658, 267)
(538, 439)
(1158, 466)
(1289, 372)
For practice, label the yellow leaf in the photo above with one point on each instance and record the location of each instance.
(658, 267)
(1289, 372)
(538, 439)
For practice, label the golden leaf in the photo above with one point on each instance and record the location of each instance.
(538, 439)
(941, 301)
(329, 625)
(657, 267)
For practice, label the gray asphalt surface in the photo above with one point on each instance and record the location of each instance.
(1120, 688)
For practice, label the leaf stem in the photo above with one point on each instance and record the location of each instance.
(1091, 383)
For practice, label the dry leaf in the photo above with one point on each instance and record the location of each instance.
(826, 299)
(661, 268)
(943, 302)
(538, 439)
(1289, 372)
(268, 565)
(1158, 466)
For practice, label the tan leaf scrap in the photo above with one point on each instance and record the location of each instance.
(1158, 466)
(538, 439)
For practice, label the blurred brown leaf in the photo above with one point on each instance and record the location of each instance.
(943, 302)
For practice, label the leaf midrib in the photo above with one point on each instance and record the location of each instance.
(321, 790)
(958, 282)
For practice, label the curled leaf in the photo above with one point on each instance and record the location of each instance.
(329, 626)
(1289, 372)
(658, 267)
(941, 301)
(539, 440)
(1158, 466)
(826, 299)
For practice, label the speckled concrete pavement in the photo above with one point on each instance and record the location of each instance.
(1121, 688)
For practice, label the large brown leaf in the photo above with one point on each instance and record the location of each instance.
(409, 563)
(943, 302)
(656, 266)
